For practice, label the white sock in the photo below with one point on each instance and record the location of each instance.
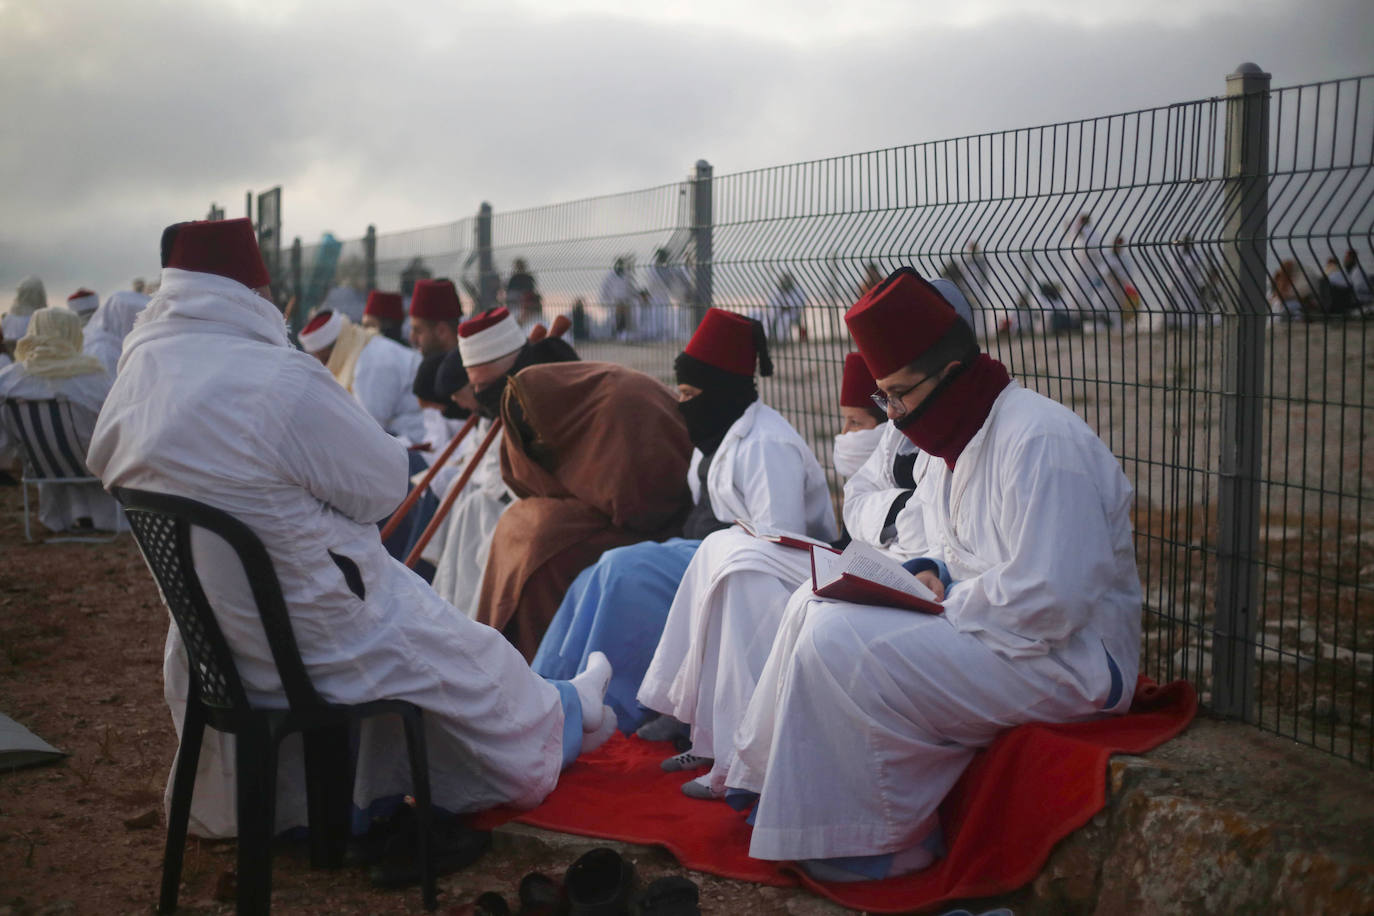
(593, 740)
(591, 687)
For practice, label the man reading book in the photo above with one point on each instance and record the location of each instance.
(864, 716)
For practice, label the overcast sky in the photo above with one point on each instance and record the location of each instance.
(121, 116)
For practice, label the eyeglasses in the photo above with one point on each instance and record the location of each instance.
(895, 403)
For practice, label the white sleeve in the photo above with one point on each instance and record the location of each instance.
(868, 496)
(770, 480)
(1062, 564)
(340, 454)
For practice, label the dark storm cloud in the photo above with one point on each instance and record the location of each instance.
(123, 117)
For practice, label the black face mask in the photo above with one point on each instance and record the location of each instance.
(710, 415)
(452, 411)
(489, 398)
(906, 420)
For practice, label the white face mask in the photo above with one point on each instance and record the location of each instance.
(852, 449)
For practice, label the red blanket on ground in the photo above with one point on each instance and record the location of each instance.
(1034, 786)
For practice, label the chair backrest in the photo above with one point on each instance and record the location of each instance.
(52, 446)
(162, 527)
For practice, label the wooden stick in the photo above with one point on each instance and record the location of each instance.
(452, 495)
(561, 324)
(414, 495)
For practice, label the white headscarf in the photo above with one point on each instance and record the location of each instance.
(29, 297)
(853, 448)
(52, 347)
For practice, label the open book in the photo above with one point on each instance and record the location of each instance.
(864, 576)
(785, 538)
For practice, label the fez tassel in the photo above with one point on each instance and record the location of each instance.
(416, 492)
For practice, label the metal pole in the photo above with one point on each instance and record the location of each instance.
(487, 281)
(370, 256)
(296, 285)
(1238, 504)
(248, 204)
(702, 222)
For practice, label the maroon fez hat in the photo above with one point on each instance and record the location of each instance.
(898, 320)
(725, 340)
(857, 384)
(386, 306)
(226, 248)
(435, 300)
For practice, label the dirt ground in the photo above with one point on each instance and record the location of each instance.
(81, 635)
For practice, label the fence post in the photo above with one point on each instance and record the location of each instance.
(296, 283)
(702, 222)
(487, 281)
(370, 257)
(1244, 241)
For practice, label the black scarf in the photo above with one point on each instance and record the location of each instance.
(724, 398)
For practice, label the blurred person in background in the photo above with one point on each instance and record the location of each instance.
(49, 365)
(83, 302)
(28, 298)
(111, 323)
(386, 313)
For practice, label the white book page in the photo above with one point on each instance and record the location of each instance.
(865, 562)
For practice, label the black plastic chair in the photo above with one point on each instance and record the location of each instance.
(162, 527)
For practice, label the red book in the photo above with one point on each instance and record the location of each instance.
(785, 538)
(862, 575)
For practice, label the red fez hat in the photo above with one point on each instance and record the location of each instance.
(435, 300)
(727, 341)
(898, 320)
(226, 248)
(857, 383)
(386, 306)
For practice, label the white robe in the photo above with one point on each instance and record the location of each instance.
(213, 403)
(864, 717)
(460, 548)
(61, 504)
(104, 336)
(383, 382)
(718, 635)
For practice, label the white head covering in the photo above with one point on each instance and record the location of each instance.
(321, 331)
(29, 297)
(83, 302)
(489, 336)
(955, 298)
(52, 347)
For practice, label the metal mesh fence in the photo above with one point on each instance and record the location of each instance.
(1187, 278)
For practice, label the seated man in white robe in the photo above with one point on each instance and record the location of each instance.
(375, 369)
(723, 618)
(748, 463)
(49, 365)
(83, 302)
(865, 717)
(491, 348)
(213, 403)
(105, 332)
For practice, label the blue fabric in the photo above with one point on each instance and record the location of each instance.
(572, 721)
(617, 606)
(930, 564)
(1118, 683)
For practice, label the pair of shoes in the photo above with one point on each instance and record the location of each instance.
(672, 895)
(699, 788)
(601, 883)
(453, 843)
(685, 761)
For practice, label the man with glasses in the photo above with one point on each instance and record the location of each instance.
(865, 717)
